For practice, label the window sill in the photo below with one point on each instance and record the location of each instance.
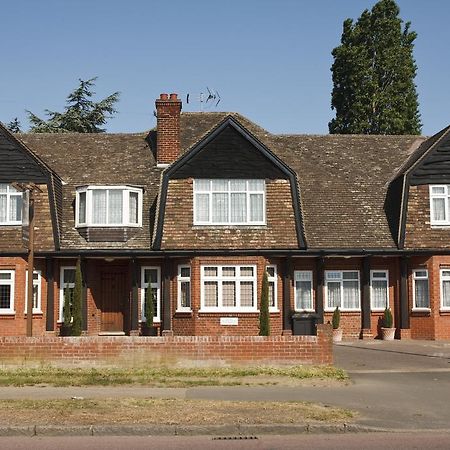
(421, 312)
(343, 310)
(228, 311)
(198, 226)
(128, 225)
(377, 310)
(7, 313)
(306, 311)
(35, 313)
(155, 320)
(444, 311)
(443, 226)
(183, 312)
(11, 224)
(274, 310)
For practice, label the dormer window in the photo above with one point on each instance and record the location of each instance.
(10, 205)
(108, 206)
(229, 202)
(439, 204)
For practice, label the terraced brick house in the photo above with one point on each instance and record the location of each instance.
(198, 208)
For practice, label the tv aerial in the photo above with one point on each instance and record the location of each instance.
(208, 100)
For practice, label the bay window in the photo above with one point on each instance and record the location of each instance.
(10, 205)
(104, 206)
(342, 289)
(228, 288)
(229, 202)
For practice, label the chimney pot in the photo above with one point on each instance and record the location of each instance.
(163, 96)
(173, 96)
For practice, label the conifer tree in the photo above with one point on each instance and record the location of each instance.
(81, 115)
(14, 125)
(264, 325)
(76, 302)
(373, 75)
(149, 306)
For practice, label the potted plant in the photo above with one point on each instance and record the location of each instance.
(387, 330)
(336, 321)
(149, 311)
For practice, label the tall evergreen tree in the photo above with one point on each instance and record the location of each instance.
(264, 316)
(14, 125)
(76, 302)
(373, 75)
(81, 115)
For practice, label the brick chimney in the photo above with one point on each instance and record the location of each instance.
(168, 109)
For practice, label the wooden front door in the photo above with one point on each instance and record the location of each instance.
(114, 299)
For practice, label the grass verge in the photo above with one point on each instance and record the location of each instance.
(169, 377)
(132, 411)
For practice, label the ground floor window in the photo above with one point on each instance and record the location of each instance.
(421, 297)
(342, 289)
(6, 291)
(228, 288)
(151, 277)
(445, 289)
(184, 288)
(379, 290)
(66, 288)
(272, 279)
(303, 290)
(36, 291)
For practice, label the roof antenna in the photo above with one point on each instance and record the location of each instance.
(212, 99)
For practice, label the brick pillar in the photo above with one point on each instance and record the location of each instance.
(168, 111)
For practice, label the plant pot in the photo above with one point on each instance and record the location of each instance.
(387, 334)
(65, 330)
(149, 331)
(337, 335)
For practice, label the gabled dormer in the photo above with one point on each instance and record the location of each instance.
(229, 191)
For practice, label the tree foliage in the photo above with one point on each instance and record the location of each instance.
(81, 115)
(149, 306)
(373, 75)
(76, 302)
(14, 126)
(264, 325)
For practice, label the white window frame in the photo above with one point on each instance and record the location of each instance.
(11, 192)
(180, 280)
(273, 279)
(157, 286)
(10, 282)
(88, 190)
(310, 276)
(220, 279)
(414, 278)
(61, 290)
(442, 279)
(341, 280)
(229, 192)
(38, 309)
(386, 278)
(445, 196)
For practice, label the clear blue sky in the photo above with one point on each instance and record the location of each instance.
(269, 59)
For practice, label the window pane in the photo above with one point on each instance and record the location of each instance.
(3, 208)
(228, 271)
(256, 208)
(69, 276)
(211, 293)
(134, 208)
(446, 293)
(15, 208)
(238, 185)
(350, 275)
(333, 294)
(246, 271)
(255, 185)
(82, 207)
(115, 206)
(420, 273)
(5, 276)
(438, 189)
(185, 272)
(421, 294)
(150, 275)
(3, 187)
(185, 294)
(238, 208)
(228, 294)
(438, 209)
(379, 294)
(5, 296)
(220, 185)
(246, 294)
(351, 294)
(210, 271)
(379, 275)
(202, 208)
(303, 298)
(99, 206)
(270, 271)
(271, 294)
(220, 208)
(202, 185)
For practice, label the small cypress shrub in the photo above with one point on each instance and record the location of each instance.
(264, 325)
(387, 318)
(149, 306)
(76, 303)
(67, 313)
(336, 320)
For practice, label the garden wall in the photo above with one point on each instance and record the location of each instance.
(180, 351)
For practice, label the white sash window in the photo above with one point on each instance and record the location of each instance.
(342, 290)
(439, 204)
(379, 290)
(10, 205)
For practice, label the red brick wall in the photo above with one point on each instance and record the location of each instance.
(135, 351)
(179, 231)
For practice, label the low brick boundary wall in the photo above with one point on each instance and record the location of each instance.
(168, 350)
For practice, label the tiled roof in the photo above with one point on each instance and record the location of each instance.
(343, 178)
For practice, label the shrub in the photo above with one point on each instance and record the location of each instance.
(77, 301)
(336, 318)
(387, 318)
(67, 311)
(149, 306)
(264, 325)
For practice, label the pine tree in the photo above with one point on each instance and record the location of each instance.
(76, 302)
(264, 325)
(14, 125)
(373, 75)
(81, 115)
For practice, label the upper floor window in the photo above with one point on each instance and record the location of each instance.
(439, 204)
(229, 202)
(100, 206)
(10, 205)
